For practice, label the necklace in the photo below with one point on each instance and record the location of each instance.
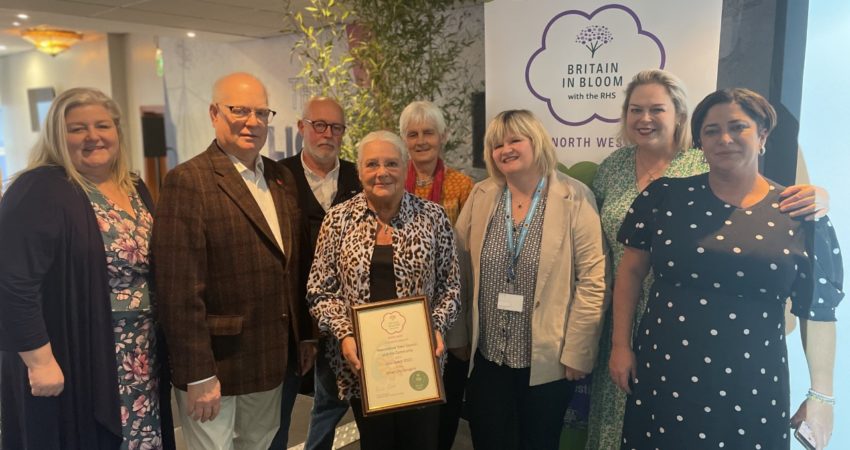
(651, 173)
(384, 228)
(422, 182)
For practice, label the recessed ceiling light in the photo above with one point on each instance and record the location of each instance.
(23, 16)
(190, 34)
(16, 24)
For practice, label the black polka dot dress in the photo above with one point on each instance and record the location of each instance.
(711, 358)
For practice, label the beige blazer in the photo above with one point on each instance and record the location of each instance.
(571, 294)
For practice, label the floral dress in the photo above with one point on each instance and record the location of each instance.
(615, 188)
(126, 240)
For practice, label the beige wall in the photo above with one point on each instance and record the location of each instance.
(86, 64)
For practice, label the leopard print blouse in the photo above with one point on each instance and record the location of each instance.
(424, 261)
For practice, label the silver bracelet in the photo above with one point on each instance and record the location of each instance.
(823, 398)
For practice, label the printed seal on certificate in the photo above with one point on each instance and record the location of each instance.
(397, 345)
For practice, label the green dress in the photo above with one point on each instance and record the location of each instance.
(615, 188)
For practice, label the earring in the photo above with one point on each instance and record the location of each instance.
(762, 151)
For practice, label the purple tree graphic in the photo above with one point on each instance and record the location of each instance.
(593, 37)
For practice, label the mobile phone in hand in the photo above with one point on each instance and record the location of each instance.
(804, 434)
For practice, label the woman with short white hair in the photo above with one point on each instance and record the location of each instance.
(423, 129)
(383, 244)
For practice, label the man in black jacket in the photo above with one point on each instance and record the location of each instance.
(322, 180)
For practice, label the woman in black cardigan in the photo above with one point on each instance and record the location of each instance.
(79, 353)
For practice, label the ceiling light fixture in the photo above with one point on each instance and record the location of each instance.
(2, 48)
(50, 40)
(23, 16)
(191, 34)
(16, 24)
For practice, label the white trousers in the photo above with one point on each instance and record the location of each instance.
(245, 422)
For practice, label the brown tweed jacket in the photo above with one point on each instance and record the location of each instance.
(225, 290)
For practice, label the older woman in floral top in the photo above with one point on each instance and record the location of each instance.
(382, 244)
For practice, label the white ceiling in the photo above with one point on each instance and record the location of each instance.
(223, 20)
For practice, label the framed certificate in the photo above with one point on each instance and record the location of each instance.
(398, 366)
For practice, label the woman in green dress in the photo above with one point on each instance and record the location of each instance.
(654, 122)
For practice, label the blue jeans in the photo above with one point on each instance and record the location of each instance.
(328, 409)
(291, 385)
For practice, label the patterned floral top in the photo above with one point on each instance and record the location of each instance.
(126, 240)
(456, 189)
(615, 188)
(424, 262)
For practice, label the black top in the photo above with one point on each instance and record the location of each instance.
(54, 288)
(710, 348)
(381, 274)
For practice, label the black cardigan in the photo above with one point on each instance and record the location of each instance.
(54, 287)
(348, 185)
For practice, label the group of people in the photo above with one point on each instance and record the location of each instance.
(243, 276)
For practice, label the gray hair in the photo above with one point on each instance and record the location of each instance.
(385, 136)
(422, 112)
(320, 98)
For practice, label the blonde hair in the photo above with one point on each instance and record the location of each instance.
(51, 149)
(675, 89)
(519, 122)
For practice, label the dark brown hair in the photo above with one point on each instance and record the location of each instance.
(753, 104)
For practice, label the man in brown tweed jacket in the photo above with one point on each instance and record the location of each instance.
(225, 245)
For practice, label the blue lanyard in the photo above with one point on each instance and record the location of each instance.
(514, 248)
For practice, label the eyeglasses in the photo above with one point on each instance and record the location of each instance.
(320, 126)
(264, 115)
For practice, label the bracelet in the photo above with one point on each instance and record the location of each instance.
(823, 398)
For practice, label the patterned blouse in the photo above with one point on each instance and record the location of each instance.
(506, 335)
(456, 189)
(126, 242)
(424, 261)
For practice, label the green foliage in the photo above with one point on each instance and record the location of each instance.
(405, 51)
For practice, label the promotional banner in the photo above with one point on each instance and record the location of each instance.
(569, 61)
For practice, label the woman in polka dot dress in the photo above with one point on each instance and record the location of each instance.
(708, 366)
(654, 122)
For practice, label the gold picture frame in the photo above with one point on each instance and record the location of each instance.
(396, 343)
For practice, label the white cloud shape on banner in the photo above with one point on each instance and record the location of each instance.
(586, 60)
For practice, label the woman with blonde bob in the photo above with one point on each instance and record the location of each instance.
(78, 348)
(534, 243)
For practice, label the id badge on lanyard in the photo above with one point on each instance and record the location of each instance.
(509, 300)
